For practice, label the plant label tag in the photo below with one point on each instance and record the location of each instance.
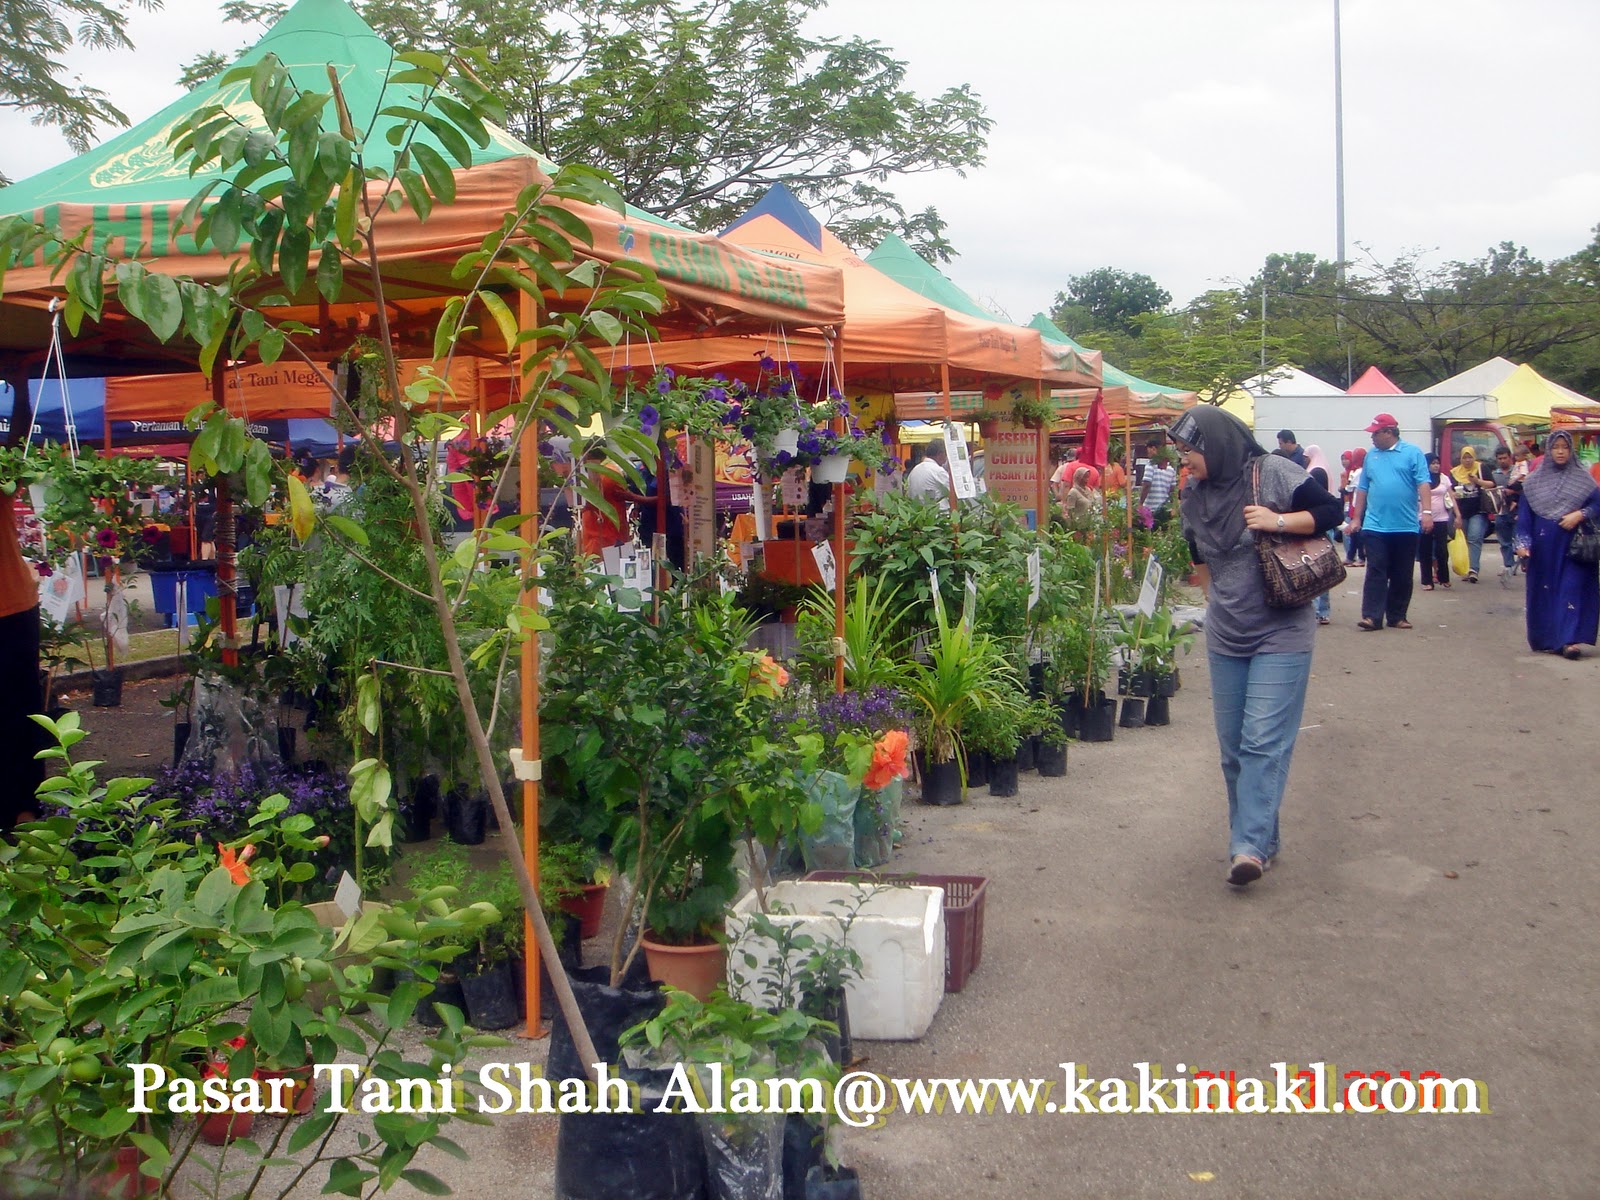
(1033, 578)
(960, 462)
(1150, 589)
(822, 552)
(347, 896)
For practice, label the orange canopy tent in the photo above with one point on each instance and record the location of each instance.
(893, 340)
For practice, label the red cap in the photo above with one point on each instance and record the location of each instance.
(1383, 421)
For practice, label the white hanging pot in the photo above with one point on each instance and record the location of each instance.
(786, 439)
(831, 469)
(42, 493)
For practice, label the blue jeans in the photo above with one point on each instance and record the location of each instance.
(1323, 604)
(1477, 528)
(1257, 703)
(1505, 530)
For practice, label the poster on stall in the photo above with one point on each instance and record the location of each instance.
(960, 459)
(1012, 464)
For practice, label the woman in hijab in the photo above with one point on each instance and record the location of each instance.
(1563, 595)
(1433, 551)
(1472, 502)
(1354, 554)
(1259, 657)
(1081, 500)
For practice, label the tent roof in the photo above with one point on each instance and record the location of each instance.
(1524, 396)
(1289, 381)
(1374, 382)
(906, 267)
(1156, 397)
(131, 192)
(893, 339)
(1480, 380)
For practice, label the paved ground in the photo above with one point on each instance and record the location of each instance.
(1435, 909)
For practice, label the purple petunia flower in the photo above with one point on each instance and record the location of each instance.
(45, 570)
(649, 418)
(719, 395)
(784, 458)
(664, 386)
(768, 363)
(106, 537)
(747, 431)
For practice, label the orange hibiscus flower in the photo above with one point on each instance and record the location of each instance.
(888, 759)
(772, 673)
(236, 864)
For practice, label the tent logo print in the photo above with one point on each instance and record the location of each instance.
(153, 159)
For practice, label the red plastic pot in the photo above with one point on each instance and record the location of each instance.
(589, 908)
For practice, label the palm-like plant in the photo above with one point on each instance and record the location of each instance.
(872, 618)
(966, 672)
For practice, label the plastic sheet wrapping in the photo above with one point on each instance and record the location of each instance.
(877, 818)
(744, 1155)
(229, 729)
(833, 846)
(115, 618)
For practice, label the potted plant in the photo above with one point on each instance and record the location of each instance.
(1080, 666)
(996, 731)
(965, 671)
(1048, 727)
(706, 1041)
(574, 879)
(1164, 641)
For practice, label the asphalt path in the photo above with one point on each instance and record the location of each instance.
(1434, 909)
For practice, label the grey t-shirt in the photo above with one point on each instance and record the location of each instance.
(1238, 621)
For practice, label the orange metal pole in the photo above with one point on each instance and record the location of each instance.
(528, 477)
(840, 424)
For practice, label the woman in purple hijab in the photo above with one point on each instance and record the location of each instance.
(1563, 594)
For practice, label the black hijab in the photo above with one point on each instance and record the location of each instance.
(1213, 508)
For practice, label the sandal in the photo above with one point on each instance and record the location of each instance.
(1368, 625)
(1400, 624)
(1427, 587)
(1571, 652)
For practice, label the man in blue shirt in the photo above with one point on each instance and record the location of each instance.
(1391, 504)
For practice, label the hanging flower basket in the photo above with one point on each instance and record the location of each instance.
(831, 468)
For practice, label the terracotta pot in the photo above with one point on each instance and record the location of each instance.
(299, 1097)
(121, 1180)
(694, 969)
(221, 1128)
(589, 908)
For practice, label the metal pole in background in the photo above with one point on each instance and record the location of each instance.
(1338, 196)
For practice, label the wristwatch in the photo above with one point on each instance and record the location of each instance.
(1280, 522)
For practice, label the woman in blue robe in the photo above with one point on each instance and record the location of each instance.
(1563, 595)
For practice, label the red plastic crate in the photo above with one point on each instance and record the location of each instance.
(963, 914)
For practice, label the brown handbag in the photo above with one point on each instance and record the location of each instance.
(1295, 570)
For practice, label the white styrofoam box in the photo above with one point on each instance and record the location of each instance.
(899, 934)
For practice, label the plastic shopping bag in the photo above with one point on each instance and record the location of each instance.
(1459, 562)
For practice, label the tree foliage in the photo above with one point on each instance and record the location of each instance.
(698, 107)
(33, 79)
(1107, 299)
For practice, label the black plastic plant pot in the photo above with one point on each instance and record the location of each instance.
(288, 743)
(1140, 683)
(1132, 714)
(180, 739)
(418, 813)
(1071, 715)
(941, 782)
(1098, 720)
(1166, 684)
(1027, 753)
(802, 1150)
(977, 768)
(446, 990)
(826, 1183)
(1158, 710)
(1036, 679)
(467, 818)
(107, 687)
(1052, 760)
(1003, 776)
(644, 1155)
(491, 997)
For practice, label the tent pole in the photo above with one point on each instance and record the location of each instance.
(227, 597)
(528, 480)
(840, 426)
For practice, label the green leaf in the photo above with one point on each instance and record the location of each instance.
(441, 179)
(430, 1185)
(345, 1178)
(368, 710)
(330, 273)
(294, 253)
(503, 317)
(270, 346)
(349, 529)
(416, 191)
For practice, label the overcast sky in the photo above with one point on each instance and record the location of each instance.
(1185, 139)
